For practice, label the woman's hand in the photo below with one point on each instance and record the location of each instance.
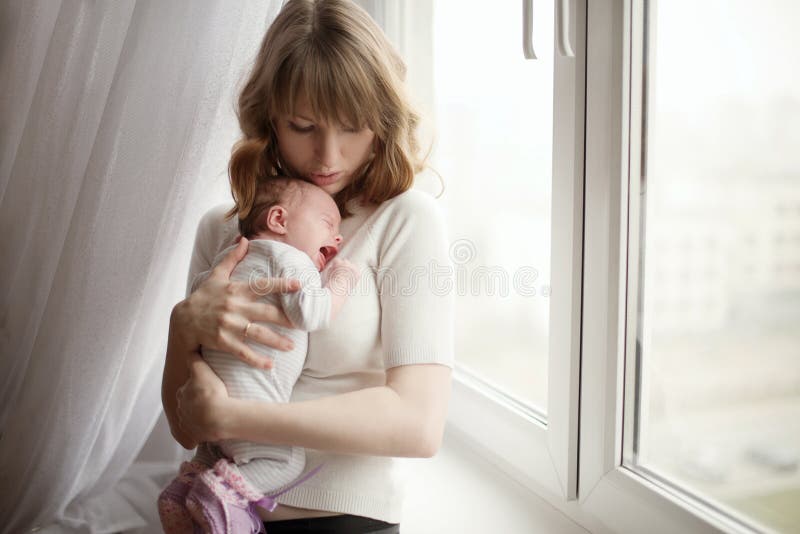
(216, 316)
(203, 404)
(218, 312)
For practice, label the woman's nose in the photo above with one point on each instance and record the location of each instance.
(327, 148)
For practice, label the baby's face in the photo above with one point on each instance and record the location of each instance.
(312, 225)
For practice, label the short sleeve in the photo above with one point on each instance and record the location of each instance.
(213, 234)
(415, 280)
(309, 308)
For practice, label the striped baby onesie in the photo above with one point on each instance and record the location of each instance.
(269, 467)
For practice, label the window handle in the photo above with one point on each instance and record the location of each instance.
(527, 29)
(564, 47)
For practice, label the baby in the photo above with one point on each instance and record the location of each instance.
(293, 230)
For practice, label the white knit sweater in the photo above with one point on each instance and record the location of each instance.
(401, 313)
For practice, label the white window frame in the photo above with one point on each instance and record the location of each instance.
(620, 498)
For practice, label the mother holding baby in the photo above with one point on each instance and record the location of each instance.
(326, 102)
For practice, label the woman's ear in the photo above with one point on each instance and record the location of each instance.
(276, 219)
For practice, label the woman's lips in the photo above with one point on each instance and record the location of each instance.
(320, 178)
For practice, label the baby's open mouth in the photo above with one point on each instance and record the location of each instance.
(327, 253)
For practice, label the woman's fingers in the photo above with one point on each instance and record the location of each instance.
(220, 310)
(228, 263)
(258, 286)
(259, 361)
(239, 349)
(265, 313)
(264, 335)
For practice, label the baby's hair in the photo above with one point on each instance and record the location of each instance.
(269, 192)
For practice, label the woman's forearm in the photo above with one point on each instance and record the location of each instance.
(175, 375)
(403, 418)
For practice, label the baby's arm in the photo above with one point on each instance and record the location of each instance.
(314, 306)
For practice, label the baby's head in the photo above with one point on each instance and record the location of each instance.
(297, 213)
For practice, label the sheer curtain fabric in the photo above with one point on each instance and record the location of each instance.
(117, 122)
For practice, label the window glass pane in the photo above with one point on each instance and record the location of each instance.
(719, 397)
(493, 129)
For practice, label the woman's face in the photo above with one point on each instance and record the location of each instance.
(327, 155)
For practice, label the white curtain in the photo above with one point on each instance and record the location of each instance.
(116, 121)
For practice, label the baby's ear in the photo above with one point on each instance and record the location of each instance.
(276, 219)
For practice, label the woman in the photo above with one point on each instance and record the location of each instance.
(325, 102)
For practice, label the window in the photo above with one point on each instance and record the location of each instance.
(696, 383)
(674, 225)
(718, 346)
(512, 201)
(493, 114)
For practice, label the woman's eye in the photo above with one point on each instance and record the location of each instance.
(301, 129)
(350, 129)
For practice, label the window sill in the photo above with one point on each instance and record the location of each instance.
(460, 491)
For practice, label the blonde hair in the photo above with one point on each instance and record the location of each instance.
(333, 53)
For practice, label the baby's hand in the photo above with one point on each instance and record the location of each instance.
(343, 275)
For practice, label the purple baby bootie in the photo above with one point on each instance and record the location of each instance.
(219, 501)
(175, 518)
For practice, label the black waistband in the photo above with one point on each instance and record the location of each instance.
(337, 524)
